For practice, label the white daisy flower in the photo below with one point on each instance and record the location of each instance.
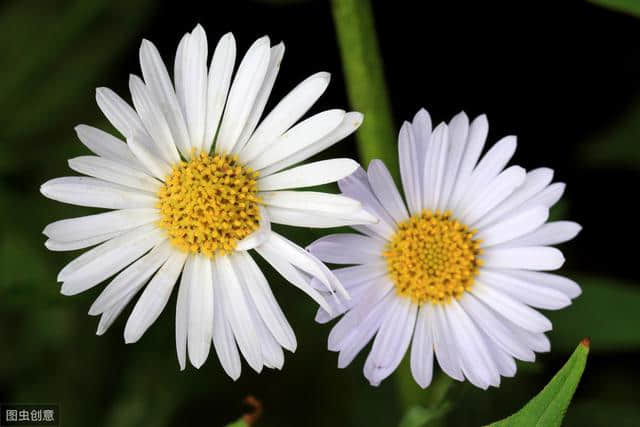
(457, 269)
(196, 185)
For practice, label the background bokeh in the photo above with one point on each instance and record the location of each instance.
(563, 76)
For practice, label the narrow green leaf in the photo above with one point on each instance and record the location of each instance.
(549, 406)
(632, 7)
(364, 77)
(613, 300)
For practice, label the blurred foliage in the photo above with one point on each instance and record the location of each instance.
(603, 313)
(631, 7)
(550, 405)
(418, 416)
(616, 145)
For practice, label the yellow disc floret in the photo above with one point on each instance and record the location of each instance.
(433, 258)
(209, 203)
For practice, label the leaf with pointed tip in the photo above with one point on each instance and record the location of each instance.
(550, 405)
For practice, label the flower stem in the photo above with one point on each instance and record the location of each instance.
(432, 399)
(365, 82)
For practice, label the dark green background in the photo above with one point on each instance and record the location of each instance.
(564, 77)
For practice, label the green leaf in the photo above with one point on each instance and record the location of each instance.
(602, 298)
(631, 7)
(549, 406)
(238, 423)
(364, 76)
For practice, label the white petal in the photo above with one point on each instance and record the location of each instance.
(537, 342)
(458, 132)
(350, 123)
(553, 281)
(306, 262)
(289, 272)
(492, 195)
(107, 146)
(96, 193)
(154, 121)
(161, 90)
(303, 135)
(434, 166)
(154, 298)
(357, 187)
(497, 330)
(237, 310)
(518, 313)
(131, 279)
(534, 183)
(108, 317)
(444, 344)
(105, 260)
(478, 131)
(355, 275)
(421, 127)
(259, 236)
(275, 58)
(55, 245)
(265, 302)
(348, 248)
(340, 305)
(285, 114)
(422, 350)
(118, 112)
(304, 218)
(524, 291)
(311, 201)
(200, 319)
(220, 72)
(352, 321)
(195, 85)
(513, 226)
(179, 72)
(489, 167)
(552, 233)
(409, 168)
(272, 354)
(477, 363)
(85, 227)
(392, 340)
(527, 258)
(115, 172)
(309, 175)
(182, 313)
(157, 166)
(386, 191)
(358, 337)
(547, 197)
(506, 364)
(223, 339)
(243, 93)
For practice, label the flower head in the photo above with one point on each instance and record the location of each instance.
(196, 185)
(456, 271)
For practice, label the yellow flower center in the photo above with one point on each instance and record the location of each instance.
(433, 258)
(209, 203)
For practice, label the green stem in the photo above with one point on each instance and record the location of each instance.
(365, 82)
(411, 394)
(414, 400)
